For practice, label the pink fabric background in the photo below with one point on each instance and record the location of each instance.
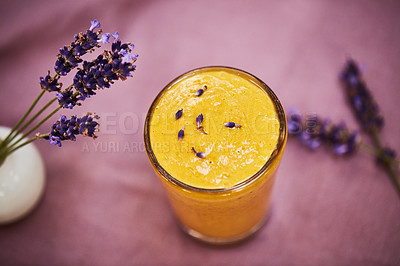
(105, 206)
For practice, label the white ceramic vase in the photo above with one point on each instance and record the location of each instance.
(22, 182)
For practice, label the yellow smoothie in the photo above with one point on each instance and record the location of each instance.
(215, 136)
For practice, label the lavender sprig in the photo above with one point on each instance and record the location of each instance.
(69, 56)
(313, 132)
(67, 129)
(360, 99)
(367, 112)
(102, 72)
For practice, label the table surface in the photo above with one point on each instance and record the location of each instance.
(103, 204)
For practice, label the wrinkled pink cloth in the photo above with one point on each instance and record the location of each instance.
(103, 204)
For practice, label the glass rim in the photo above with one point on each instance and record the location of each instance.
(278, 148)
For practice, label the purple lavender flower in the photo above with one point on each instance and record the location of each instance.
(62, 67)
(90, 76)
(199, 120)
(119, 65)
(199, 154)
(116, 36)
(102, 71)
(178, 114)
(94, 24)
(199, 92)
(348, 145)
(99, 73)
(49, 83)
(85, 83)
(105, 38)
(232, 125)
(387, 155)
(127, 58)
(367, 112)
(69, 56)
(360, 99)
(87, 126)
(67, 99)
(294, 122)
(342, 140)
(181, 134)
(67, 129)
(55, 141)
(314, 132)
